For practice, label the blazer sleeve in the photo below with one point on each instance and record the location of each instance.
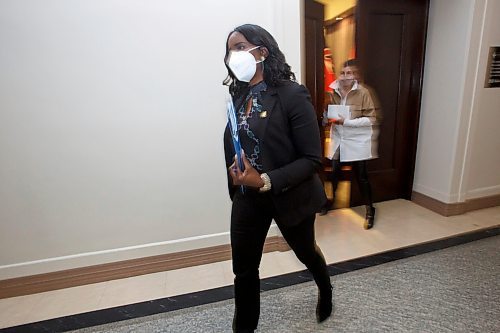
(305, 137)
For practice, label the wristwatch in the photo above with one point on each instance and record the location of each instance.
(267, 182)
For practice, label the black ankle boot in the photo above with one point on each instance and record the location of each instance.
(326, 207)
(324, 307)
(370, 217)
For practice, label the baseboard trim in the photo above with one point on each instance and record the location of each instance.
(33, 284)
(485, 202)
(442, 208)
(451, 209)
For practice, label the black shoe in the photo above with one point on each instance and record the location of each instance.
(326, 208)
(325, 305)
(370, 218)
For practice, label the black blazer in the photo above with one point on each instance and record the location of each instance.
(290, 152)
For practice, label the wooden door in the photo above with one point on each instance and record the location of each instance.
(390, 38)
(314, 44)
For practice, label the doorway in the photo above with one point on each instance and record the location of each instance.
(389, 44)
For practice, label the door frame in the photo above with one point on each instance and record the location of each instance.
(413, 103)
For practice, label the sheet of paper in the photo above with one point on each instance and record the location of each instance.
(337, 111)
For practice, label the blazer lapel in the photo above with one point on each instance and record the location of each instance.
(269, 99)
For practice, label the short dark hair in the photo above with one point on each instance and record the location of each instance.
(276, 70)
(351, 63)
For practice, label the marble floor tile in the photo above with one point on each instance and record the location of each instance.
(133, 289)
(68, 301)
(197, 278)
(17, 310)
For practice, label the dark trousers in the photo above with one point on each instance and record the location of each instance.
(361, 174)
(251, 218)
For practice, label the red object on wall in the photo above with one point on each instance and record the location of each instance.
(329, 72)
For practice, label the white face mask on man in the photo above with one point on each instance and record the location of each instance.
(243, 64)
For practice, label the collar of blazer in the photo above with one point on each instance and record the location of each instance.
(269, 100)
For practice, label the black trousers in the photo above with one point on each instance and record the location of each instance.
(361, 174)
(251, 218)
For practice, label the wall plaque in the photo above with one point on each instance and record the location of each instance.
(493, 69)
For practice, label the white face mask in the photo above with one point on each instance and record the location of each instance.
(243, 64)
(347, 76)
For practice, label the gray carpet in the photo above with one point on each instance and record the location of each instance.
(450, 290)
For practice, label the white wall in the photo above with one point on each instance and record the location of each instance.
(484, 153)
(457, 158)
(111, 121)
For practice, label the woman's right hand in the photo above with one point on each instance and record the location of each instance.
(249, 177)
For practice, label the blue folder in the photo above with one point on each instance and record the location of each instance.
(233, 127)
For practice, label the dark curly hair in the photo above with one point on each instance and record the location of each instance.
(276, 70)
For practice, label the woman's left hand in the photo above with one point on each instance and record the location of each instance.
(249, 177)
